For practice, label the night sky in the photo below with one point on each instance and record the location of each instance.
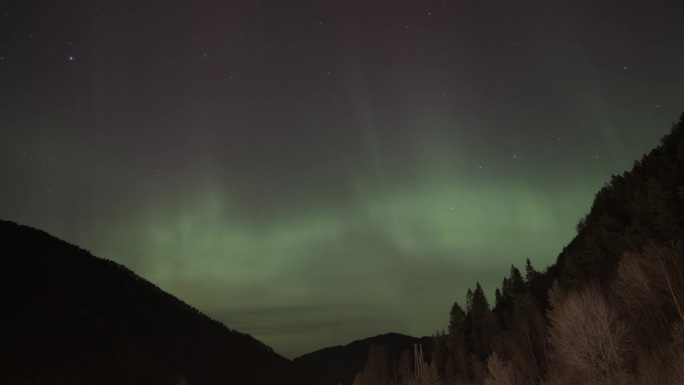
(314, 172)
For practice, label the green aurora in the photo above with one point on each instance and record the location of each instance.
(317, 172)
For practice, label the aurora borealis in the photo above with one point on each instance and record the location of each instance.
(313, 172)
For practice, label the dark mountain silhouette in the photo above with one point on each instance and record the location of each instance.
(624, 265)
(342, 363)
(643, 205)
(71, 318)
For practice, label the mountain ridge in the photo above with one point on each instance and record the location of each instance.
(343, 362)
(72, 317)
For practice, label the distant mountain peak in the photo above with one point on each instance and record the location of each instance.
(343, 362)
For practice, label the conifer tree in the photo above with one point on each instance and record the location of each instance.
(479, 313)
(505, 289)
(516, 282)
(456, 341)
(529, 272)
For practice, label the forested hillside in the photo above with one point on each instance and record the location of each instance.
(609, 311)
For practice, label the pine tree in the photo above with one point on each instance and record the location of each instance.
(497, 298)
(479, 313)
(469, 301)
(502, 304)
(480, 302)
(516, 282)
(530, 273)
(505, 289)
(456, 340)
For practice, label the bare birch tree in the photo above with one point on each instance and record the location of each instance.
(587, 335)
(499, 372)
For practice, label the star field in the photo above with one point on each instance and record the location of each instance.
(316, 172)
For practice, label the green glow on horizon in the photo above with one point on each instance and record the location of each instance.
(344, 259)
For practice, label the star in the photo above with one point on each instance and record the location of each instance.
(71, 58)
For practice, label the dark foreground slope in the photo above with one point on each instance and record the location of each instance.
(643, 205)
(623, 268)
(69, 317)
(638, 207)
(342, 363)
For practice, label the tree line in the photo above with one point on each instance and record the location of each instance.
(610, 310)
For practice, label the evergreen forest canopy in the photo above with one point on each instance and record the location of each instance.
(609, 311)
